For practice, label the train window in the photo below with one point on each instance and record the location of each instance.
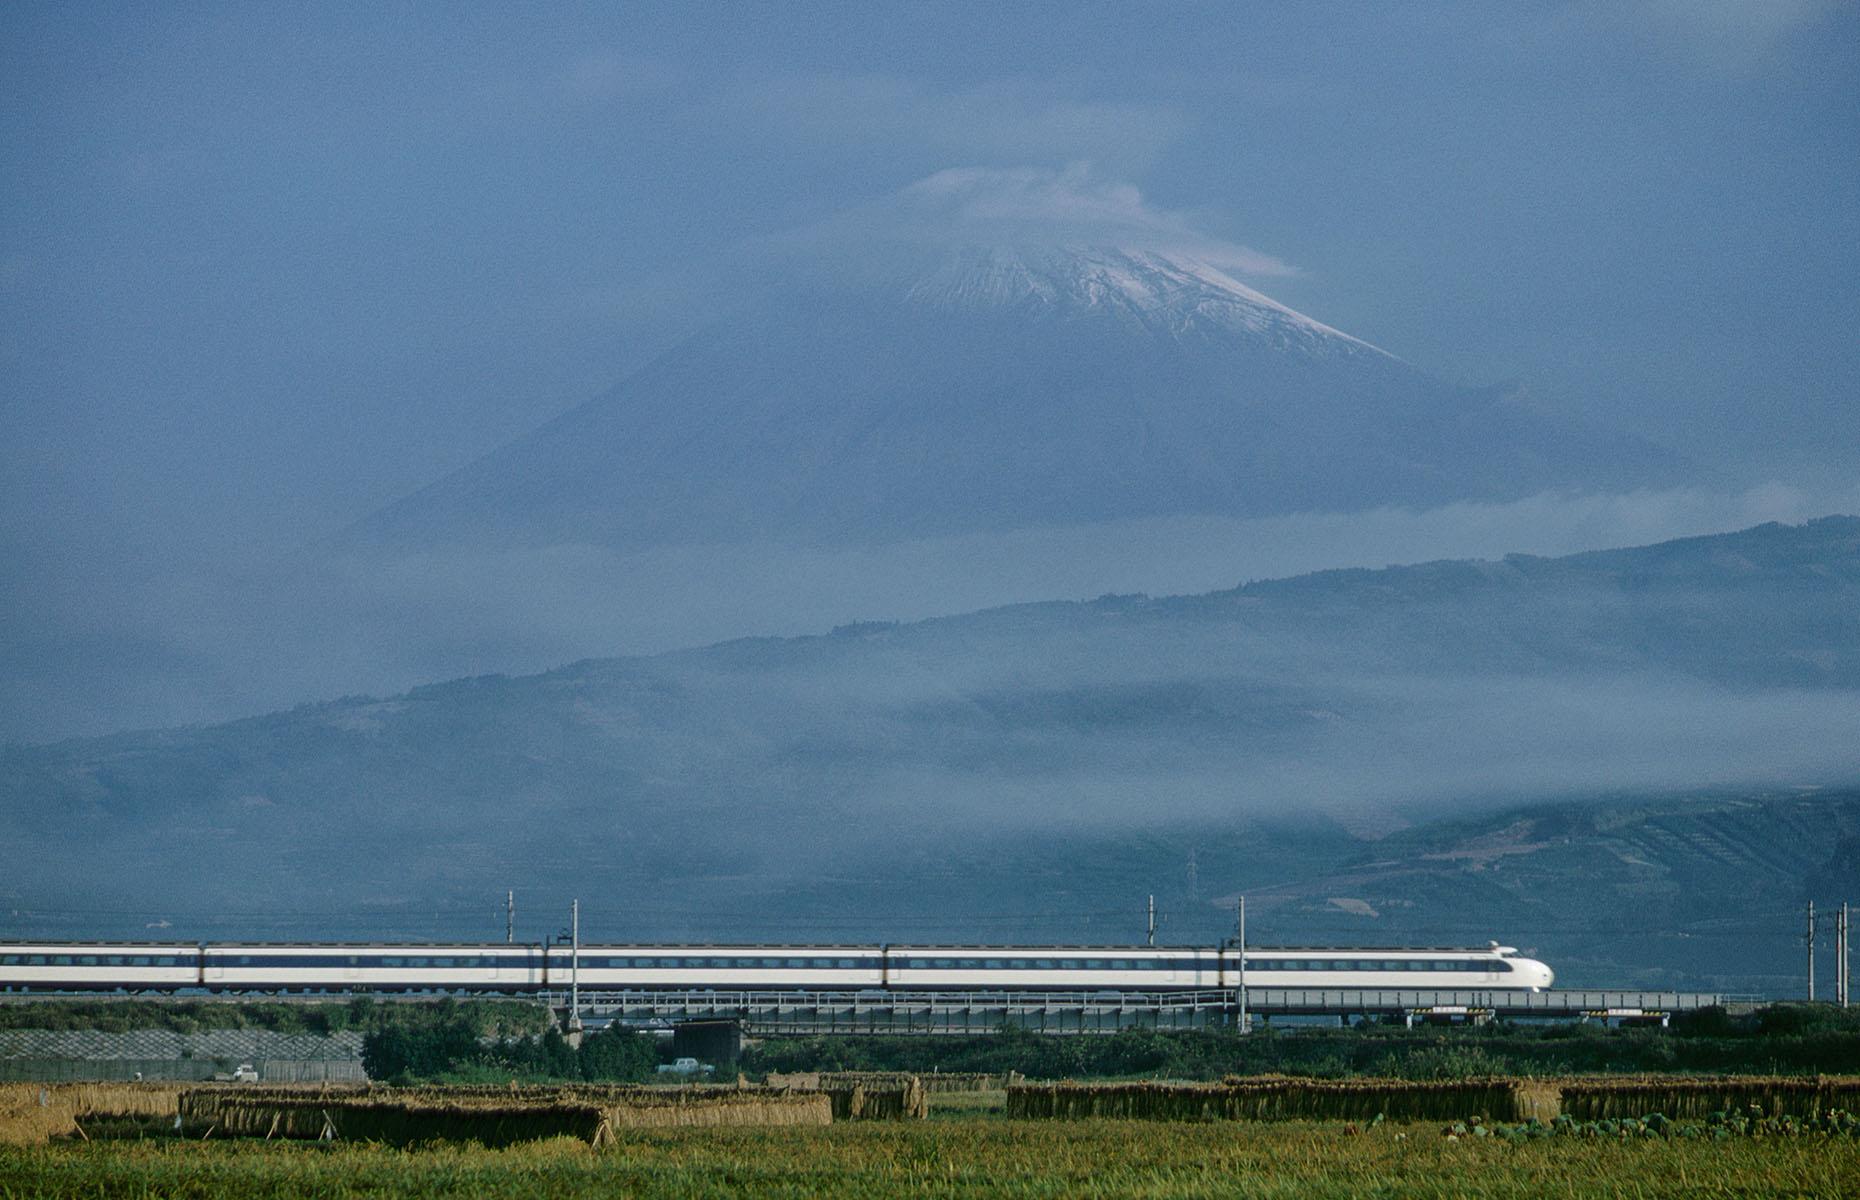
(9, 960)
(1498, 964)
(1042, 964)
(37, 960)
(847, 964)
(796, 964)
(995, 964)
(393, 960)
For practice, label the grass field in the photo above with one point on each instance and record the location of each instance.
(957, 1156)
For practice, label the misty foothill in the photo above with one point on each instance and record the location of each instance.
(955, 542)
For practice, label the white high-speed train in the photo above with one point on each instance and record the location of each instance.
(500, 967)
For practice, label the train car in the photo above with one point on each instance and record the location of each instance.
(1050, 968)
(1438, 969)
(735, 968)
(372, 968)
(90, 967)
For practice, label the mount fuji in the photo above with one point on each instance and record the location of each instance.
(992, 387)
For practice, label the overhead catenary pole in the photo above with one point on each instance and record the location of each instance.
(574, 967)
(510, 916)
(1811, 951)
(1840, 957)
(1152, 934)
(1246, 1023)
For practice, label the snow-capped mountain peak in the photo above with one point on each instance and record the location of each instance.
(1163, 291)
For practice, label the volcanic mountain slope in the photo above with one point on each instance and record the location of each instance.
(1032, 762)
(1006, 387)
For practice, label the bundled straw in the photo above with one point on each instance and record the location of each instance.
(864, 1095)
(1279, 1100)
(37, 1112)
(493, 1116)
(1696, 1099)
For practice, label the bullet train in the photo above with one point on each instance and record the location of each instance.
(517, 969)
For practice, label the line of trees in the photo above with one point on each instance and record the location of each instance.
(455, 1051)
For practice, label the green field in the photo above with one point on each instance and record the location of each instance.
(958, 1156)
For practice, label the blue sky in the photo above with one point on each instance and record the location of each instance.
(265, 267)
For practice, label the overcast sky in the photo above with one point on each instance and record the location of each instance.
(266, 267)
